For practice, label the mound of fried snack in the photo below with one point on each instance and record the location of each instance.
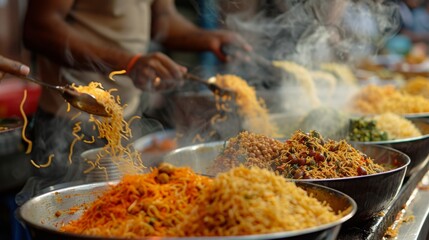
(246, 201)
(177, 202)
(374, 99)
(304, 155)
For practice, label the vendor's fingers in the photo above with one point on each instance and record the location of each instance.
(1, 75)
(160, 70)
(13, 67)
(172, 67)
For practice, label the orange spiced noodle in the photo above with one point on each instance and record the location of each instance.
(113, 129)
(177, 202)
(142, 205)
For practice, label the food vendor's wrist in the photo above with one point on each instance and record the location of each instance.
(132, 62)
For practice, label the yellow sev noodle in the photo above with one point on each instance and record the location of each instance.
(113, 129)
(374, 99)
(240, 202)
(43, 165)
(24, 127)
(397, 127)
(252, 109)
(253, 201)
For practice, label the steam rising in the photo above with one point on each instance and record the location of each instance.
(307, 32)
(313, 32)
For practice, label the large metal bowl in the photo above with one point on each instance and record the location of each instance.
(416, 148)
(153, 159)
(372, 193)
(38, 214)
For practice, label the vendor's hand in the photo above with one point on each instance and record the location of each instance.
(156, 71)
(215, 40)
(12, 67)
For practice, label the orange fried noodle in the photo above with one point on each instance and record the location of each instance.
(177, 202)
(142, 205)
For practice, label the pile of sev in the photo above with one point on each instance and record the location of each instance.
(254, 201)
(396, 127)
(303, 156)
(142, 205)
(251, 108)
(374, 99)
(311, 156)
(240, 202)
(114, 129)
(417, 86)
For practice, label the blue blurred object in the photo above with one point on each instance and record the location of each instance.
(208, 20)
(400, 44)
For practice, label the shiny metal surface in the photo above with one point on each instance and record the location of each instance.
(153, 159)
(372, 193)
(38, 214)
(417, 207)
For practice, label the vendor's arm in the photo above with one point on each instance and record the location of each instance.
(47, 32)
(175, 32)
(13, 67)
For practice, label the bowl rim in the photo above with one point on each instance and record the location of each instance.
(275, 235)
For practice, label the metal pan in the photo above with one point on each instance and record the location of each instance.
(372, 193)
(38, 214)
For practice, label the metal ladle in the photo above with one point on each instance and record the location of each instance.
(82, 101)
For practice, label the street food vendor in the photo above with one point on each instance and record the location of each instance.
(78, 41)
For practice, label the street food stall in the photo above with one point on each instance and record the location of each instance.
(309, 134)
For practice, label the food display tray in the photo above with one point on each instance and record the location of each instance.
(376, 227)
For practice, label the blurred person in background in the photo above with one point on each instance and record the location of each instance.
(12, 67)
(79, 41)
(415, 20)
(414, 34)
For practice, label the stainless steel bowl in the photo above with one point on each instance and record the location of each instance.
(372, 193)
(417, 148)
(153, 159)
(38, 214)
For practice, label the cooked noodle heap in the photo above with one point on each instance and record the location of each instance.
(396, 127)
(143, 205)
(254, 201)
(417, 86)
(113, 129)
(302, 156)
(374, 99)
(251, 108)
(177, 202)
